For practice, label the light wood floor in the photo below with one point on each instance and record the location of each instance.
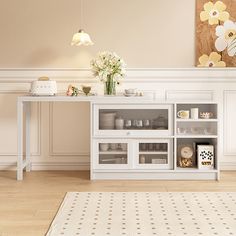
(28, 207)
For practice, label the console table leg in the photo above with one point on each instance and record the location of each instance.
(27, 130)
(20, 140)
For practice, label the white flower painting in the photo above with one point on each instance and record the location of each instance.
(226, 34)
(215, 33)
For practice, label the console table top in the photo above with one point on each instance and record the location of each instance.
(103, 99)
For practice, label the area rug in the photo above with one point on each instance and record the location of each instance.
(145, 214)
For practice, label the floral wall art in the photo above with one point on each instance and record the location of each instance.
(216, 33)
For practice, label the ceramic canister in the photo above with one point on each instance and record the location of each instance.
(119, 123)
(194, 113)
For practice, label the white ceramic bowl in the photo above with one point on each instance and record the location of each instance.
(130, 91)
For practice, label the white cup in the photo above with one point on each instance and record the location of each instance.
(181, 130)
(194, 113)
(195, 130)
(113, 146)
(104, 146)
(208, 131)
(124, 146)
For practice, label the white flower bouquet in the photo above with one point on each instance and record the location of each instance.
(110, 68)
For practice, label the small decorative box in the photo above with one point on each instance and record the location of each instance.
(205, 157)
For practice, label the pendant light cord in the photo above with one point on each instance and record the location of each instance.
(81, 14)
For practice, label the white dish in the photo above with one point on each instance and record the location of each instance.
(129, 94)
(108, 114)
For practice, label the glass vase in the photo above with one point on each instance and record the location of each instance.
(110, 86)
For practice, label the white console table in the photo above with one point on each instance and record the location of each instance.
(128, 163)
(23, 107)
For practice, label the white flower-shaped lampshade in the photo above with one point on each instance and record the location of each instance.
(81, 38)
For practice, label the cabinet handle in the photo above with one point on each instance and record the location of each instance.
(128, 133)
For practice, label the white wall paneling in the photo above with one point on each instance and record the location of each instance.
(198, 95)
(229, 123)
(8, 126)
(60, 132)
(69, 129)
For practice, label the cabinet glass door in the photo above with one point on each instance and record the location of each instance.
(133, 120)
(111, 154)
(154, 154)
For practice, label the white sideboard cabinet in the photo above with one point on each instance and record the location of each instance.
(150, 141)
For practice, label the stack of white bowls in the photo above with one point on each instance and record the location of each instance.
(107, 120)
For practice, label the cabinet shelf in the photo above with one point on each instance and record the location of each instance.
(196, 120)
(108, 160)
(154, 152)
(112, 152)
(196, 136)
(180, 169)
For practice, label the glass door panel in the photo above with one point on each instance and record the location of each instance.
(135, 119)
(154, 154)
(113, 153)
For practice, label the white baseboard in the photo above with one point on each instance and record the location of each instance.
(81, 166)
(7, 165)
(228, 166)
(61, 166)
(11, 166)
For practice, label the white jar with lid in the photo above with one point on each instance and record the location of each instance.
(119, 123)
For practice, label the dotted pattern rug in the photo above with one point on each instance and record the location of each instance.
(145, 214)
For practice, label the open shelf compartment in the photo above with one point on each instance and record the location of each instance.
(206, 111)
(196, 154)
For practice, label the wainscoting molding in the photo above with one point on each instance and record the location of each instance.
(162, 83)
(52, 152)
(134, 75)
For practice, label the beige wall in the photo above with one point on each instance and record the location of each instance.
(146, 33)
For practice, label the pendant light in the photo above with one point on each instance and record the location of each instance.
(81, 38)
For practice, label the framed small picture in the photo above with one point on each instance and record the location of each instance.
(205, 157)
